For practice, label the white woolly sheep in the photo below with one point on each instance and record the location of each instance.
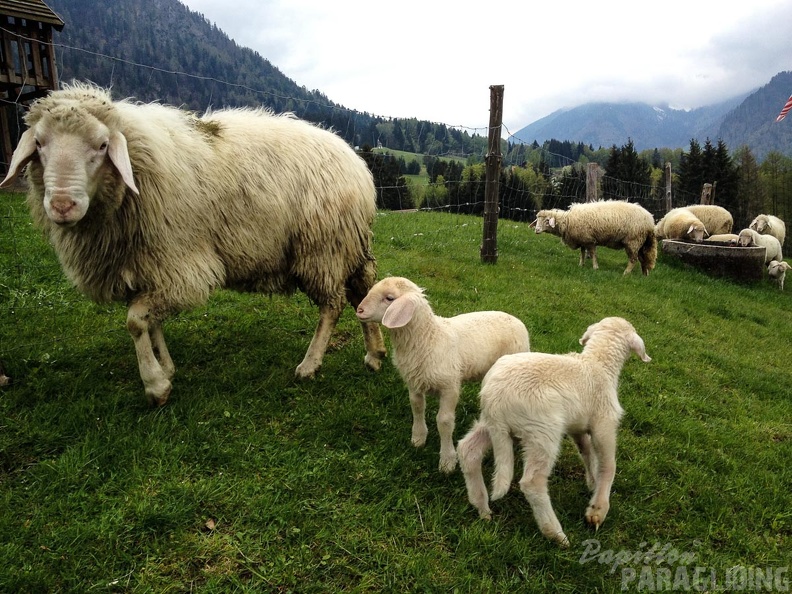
(538, 398)
(750, 238)
(777, 271)
(716, 219)
(435, 354)
(610, 223)
(680, 223)
(157, 207)
(769, 225)
(730, 238)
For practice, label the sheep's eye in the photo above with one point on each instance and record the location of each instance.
(103, 146)
(390, 298)
(38, 144)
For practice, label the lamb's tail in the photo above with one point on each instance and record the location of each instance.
(471, 451)
(503, 451)
(647, 255)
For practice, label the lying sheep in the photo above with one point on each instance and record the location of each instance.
(777, 271)
(750, 238)
(730, 238)
(716, 219)
(769, 225)
(435, 354)
(680, 223)
(537, 398)
(154, 206)
(610, 223)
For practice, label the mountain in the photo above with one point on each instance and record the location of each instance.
(608, 124)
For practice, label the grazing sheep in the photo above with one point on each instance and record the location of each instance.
(769, 225)
(750, 238)
(716, 219)
(435, 354)
(610, 223)
(538, 398)
(730, 238)
(777, 271)
(154, 206)
(680, 223)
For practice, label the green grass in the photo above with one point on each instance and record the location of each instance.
(314, 486)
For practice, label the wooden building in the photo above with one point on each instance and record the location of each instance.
(27, 61)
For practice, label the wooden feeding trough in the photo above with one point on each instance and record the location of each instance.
(719, 258)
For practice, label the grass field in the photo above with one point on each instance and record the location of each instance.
(248, 480)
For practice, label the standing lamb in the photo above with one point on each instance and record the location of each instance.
(680, 223)
(777, 271)
(716, 219)
(750, 238)
(769, 225)
(154, 206)
(613, 224)
(537, 398)
(435, 354)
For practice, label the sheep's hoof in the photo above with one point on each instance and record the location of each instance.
(158, 396)
(373, 362)
(485, 515)
(447, 465)
(595, 517)
(562, 540)
(304, 371)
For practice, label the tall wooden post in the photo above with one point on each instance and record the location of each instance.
(706, 194)
(489, 245)
(668, 185)
(592, 175)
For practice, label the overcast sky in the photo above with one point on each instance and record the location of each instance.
(436, 60)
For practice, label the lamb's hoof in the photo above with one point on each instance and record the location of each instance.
(158, 395)
(485, 515)
(562, 540)
(305, 371)
(447, 465)
(595, 516)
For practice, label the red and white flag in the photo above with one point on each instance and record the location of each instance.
(785, 111)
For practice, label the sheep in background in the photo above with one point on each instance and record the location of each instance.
(435, 354)
(750, 238)
(538, 398)
(680, 223)
(769, 225)
(777, 271)
(730, 238)
(716, 219)
(154, 206)
(610, 223)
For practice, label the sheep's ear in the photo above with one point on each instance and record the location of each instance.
(119, 155)
(532, 225)
(400, 312)
(585, 338)
(638, 347)
(26, 148)
(691, 229)
(551, 222)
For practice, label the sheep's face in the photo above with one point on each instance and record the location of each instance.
(777, 269)
(758, 224)
(544, 222)
(391, 302)
(696, 233)
(74, 157)
(745, 239)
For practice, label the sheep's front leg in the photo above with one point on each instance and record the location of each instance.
(328, 318)
(603, 441)
(582, 256)
(419, 428)
(471, 450)
(146, 332)
(375, 345)
(593, 251)
(445, 426)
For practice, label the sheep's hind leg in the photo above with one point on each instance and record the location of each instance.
(471, 450)
(538, 460)
(445, 426)
(583, 443)
(147, 335)
(603, 440)
(328, 318)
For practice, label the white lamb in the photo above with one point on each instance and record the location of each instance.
(769, 225)
(750, 238)
(730, 238)
(716, 219)
(435, 354)
(614, 224)
(538, 398)
(777, 271)
(680, 223)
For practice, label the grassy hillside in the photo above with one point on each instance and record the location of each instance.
(249, 480)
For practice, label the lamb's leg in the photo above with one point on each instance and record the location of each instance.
(471, 450)
(583, 443)
(146, 333)
(445, 426)
(538, 460)
(603, 441)
(328, 318)
(503, 452)
(419, 428)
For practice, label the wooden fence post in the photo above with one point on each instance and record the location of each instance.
(706, 194)
(489, 245)
(668, 185)
(592, 175)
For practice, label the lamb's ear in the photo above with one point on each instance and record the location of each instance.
(638, 347)
(119, 155)
(691, 229)
(400, 312)
(26, 148)
(585, 338)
